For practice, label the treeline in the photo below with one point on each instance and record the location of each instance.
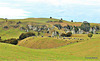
(15, 41)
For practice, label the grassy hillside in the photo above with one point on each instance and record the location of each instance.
(72, 52)
(45, 42)
(41, 42)
(12, 32)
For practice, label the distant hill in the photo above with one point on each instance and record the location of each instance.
(13, 30)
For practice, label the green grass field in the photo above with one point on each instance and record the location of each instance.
(47, 49)
(72, 52)
(15, 32)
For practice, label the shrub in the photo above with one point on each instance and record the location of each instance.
(83, 33)
(67, 34)
(25, 35)
(76, 28)
(38, 33)
(63, 34)
(60, 21)
(58, 26)
(6, 27)
(91, 32)
(0, 37)
(11, 41)
(90, 35)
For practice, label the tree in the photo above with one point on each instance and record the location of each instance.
(66, 34)
(90, 35)
(71, 20)
(38, 33)
(25, 35)
(76, 28)
(85, 26)
(0, 37)
(50, 17)
(11, 41)
(58, 26)
(63, 34)
(61, 19)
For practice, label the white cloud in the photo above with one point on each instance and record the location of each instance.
(6, 12)
(63, 2)
(3, 3)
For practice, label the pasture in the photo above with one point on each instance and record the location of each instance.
(72, 52)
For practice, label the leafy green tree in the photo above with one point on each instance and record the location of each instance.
(25, 35)
(11, 41)
(63, 34)
(90, 35)
(76, 28)
(66, 34)
(58, 26)
(85, 26)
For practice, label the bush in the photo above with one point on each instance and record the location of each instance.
(60, 21)
(5, 26)
(91, 32)
(76, 28)
(58, 26)
(83, 33)
(0, 37)
(90, 35)
(11, 41)
(67, 34)
(63, 34)
(25, 35)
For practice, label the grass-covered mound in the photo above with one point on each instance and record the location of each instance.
(72, 52)
(42, 42)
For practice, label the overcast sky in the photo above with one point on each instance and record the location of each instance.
(77, 10)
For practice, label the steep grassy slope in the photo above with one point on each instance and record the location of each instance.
(72, 52)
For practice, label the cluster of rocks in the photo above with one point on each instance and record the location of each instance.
(81, 31)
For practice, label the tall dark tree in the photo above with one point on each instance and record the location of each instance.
(61, 19)
(50, 17)
(71, 20)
